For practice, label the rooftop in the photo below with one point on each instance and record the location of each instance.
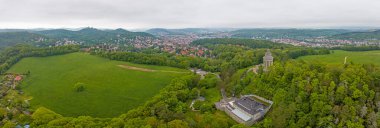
(18, 78)
(241, 115)
(250, 106)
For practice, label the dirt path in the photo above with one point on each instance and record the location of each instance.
(136, 68)
(146, 70)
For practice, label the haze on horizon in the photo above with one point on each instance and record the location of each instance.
(134, 14)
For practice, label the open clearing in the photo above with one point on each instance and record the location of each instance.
(109, 89)
(338, 56)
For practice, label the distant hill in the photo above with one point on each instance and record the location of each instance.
(92, 35)
(10, 37)
(161, 31)
(298, 34)
(252, 43)
(13, 38)
(369, 35)
(23, 30)
(185, 31)
(13, 30)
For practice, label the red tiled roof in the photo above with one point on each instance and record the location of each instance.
(18, 78)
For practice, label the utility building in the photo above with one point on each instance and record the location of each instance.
(246, 110)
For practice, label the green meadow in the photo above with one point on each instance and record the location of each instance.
(338, 56)
(109, 88)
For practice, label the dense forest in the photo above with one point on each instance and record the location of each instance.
(314, 95)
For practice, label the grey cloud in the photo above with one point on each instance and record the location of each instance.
(188, 13)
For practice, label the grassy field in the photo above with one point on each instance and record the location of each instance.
(338, 56)
(110, 88)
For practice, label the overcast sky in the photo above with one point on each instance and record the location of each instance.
(131, 14)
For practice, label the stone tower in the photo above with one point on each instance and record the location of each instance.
(268, 60)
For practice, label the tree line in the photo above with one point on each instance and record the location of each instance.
(223, 57)
(358, 48)
(12, 55)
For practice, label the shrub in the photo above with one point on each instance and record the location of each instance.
(79, 87)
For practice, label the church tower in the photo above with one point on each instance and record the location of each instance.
(268, 60)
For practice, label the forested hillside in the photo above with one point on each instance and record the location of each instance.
(85, 36)
(13, 38)
(298, 34)
(92, 35)
(370, 35)
(314, 95)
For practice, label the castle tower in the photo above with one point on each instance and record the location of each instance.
(268, 60)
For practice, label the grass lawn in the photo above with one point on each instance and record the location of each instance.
(213, 95)
(337, 57)
(110, 90)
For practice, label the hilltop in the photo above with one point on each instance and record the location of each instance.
(185, 31)
(92, 35)
(22, 37)
(12, 37)
(299, 34)
(367, 35)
